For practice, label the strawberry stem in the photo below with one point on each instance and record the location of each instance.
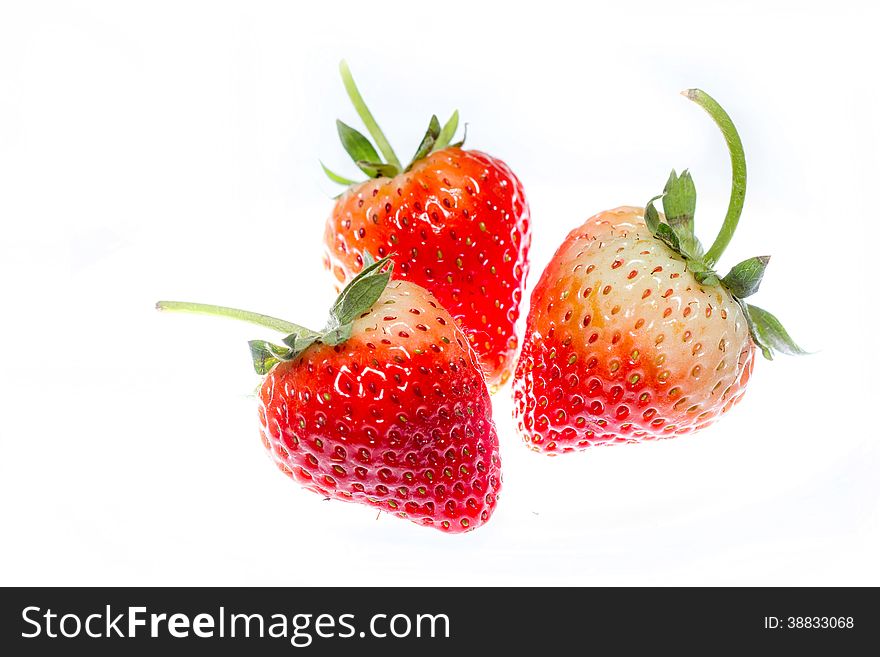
(233, 313)
(357, 298)
(738, 172)
(363, 111)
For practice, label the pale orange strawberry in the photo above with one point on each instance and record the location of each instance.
(632, 335)
(623, 344)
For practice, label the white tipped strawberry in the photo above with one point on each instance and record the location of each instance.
(632, 335)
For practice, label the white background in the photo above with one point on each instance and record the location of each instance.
(170, 150)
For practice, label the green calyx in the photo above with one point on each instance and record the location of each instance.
(357, 298)
(367, 157)
(679, 199)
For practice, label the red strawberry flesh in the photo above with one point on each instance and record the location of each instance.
(457, 224)
(397, 417)
(624, 345)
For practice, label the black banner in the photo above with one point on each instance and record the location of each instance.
(426, 621)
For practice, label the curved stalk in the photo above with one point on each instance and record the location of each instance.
(232, 313)
(738, 171)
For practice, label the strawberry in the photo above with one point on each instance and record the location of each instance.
(456, 221)
(386, 406)
(632, 335)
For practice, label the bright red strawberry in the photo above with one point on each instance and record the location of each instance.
(631, 334)
(386, 406)
(456, 222)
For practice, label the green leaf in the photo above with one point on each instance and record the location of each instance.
(667, 235)
(338, 334)
(300, 340)
(431, 135)
(356, 145)
(680, 201)
(360, 294)
(267, 355)
(335, 177)
(676, 237)
(690, 245)
(366, 116)
(447, 133)
(772, 336)
(459, 144)
(377, 169)
(753, 331)
(679, 236)
(744, 279)
(679, 205)
(690, 248)
(652, 217)
(704, 275)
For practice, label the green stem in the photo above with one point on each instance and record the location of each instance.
(233, 313)
(738, 171)
(372, 127)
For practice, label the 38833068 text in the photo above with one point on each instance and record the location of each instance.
(809, 622)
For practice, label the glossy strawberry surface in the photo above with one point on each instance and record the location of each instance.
(397, 417)
(624, 345)
(457, 223)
